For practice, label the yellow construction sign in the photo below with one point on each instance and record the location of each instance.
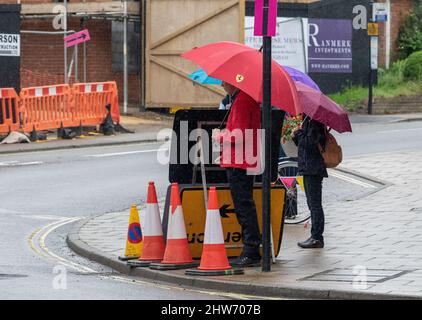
(373, 29)
(195, 216)
(134, 241)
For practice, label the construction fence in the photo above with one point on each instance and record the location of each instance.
(57, 106)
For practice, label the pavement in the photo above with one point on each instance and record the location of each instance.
(145, 129)
(373, 240)
(372, 249)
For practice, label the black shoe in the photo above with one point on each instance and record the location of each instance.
(311, 243)
(245, 261)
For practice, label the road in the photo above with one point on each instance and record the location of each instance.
(44, 192)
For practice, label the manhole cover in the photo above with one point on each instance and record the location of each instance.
(8, 275)
(347, 275)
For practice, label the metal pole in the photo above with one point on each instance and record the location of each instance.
(388, 35)
(370, 91)
(304, 46)
(65, 47)
(266, 125)
(84, 62)
(125, 75)
(76, 63)
(84, 49)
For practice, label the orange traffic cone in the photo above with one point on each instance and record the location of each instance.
(134, 243)
(214, 260)
(154, 245)
(177, 254)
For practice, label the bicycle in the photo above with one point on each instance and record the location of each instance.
(295, 209)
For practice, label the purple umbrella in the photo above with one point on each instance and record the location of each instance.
(322, 109)
(297, 75)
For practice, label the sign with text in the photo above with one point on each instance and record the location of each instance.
(379, 12)
(76, 38)
(330, 46)
(265, 20)
(288, 46)
(195, 217)
(374, 53)
(10, 45)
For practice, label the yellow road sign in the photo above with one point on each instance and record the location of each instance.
(194, 214)
(373, 29)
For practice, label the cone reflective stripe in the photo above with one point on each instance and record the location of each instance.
(134, 242)
(154, 245)
(214, 260)
(177, 247)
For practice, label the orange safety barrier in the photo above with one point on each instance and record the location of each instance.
(47, 107)
(90, 100)
(9, 110)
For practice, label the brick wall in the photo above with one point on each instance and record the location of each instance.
(43, 54)
(410, 104)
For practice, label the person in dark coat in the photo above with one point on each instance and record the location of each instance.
(312, 167)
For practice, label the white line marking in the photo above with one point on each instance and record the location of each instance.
(399, 130)
(352, 180)
(19, 164)
(120, 153)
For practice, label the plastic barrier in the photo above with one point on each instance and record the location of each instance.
(9, 110)
(57, 106)
(48, 107)
(90, 100)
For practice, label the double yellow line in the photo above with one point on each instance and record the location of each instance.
(37, 243)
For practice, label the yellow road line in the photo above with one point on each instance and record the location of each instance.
(41, 235)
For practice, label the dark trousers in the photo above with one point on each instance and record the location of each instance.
(241, 188)
(313, 191)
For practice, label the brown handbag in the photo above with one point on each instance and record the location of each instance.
(332, 153)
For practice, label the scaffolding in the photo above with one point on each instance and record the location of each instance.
(123, 11)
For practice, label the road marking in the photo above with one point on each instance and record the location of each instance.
(120, 153)
(37, 243)
(399, 130)
(40, 217)
(352, 180)
(19, 164)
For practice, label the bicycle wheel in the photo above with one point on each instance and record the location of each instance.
(295, 209)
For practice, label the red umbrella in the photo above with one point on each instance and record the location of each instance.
(241, 66)
(322, 109)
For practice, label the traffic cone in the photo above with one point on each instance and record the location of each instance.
(177, 254)
(214, 260)
(154, 245)
(134, 236)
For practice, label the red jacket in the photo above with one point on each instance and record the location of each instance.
(240, 145)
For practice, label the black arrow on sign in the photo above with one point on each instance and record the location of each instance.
(82, 36)
(224, 210)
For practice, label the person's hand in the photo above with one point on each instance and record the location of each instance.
(293, 134)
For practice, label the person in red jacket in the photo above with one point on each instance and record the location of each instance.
(240, 144)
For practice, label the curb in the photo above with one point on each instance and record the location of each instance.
(83, 146)
(294, 292)
(407, 120)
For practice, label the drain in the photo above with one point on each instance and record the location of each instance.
(346, 275)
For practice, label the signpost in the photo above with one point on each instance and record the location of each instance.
(373, 32)
(265, 24)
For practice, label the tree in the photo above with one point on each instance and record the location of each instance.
(410, 33)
